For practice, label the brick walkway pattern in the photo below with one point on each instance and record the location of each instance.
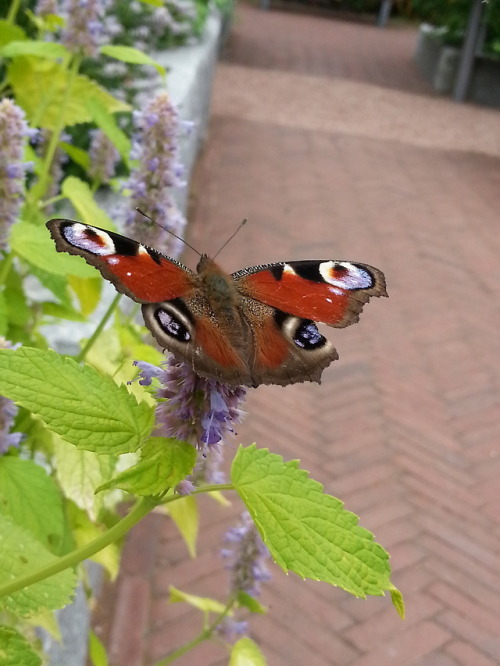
(326, 137)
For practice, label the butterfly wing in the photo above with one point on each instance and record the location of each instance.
(282, 301)
(332, 292)
(141, 273)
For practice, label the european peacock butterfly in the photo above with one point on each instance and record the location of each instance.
(255, 326)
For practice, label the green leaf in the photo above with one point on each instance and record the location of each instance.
(307, 531)
(15, 649)
(40, 87)
(78, 155)
(10, 32)
(22, 554)
(165, 461)
(31, 498)
(85, 531)
(57, 284)
(398, 601)
(184, 513)
(88, 292)
(79, 473)
(61, 312)
(107, 123)
(80, 195)
(247, 601)
(205, 604)
(97, 651)
(153, 3)
(77, 403)
(33, 243)
(246, 652)
(3, 315)
(33, 47)
(131, 55)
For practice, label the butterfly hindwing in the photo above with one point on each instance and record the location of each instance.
(136, 270)
(332, 292)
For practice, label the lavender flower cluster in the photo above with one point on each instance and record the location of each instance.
(192, 408)
(246, 558)
(8, 411)
(155, 146)
(103, 157)
(14, 132)
(84, 28)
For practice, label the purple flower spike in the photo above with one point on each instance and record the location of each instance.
(103, 157)
(246, 556)
(14, 133)
(195, 409)
(84, 27)
(155, 146)
(8, 411)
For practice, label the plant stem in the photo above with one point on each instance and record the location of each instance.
(202, 636)
(52, 200)
(13, 9)
(98, 330)
(139, 510)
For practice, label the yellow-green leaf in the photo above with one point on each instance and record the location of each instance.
(205, 604)
(41, 88)
(184, 513)
(34, 47)
(246, 652)
(80, 195)
(131, 55)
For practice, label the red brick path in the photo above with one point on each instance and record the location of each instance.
(406, 425)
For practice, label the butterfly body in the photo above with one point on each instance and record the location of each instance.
(255, 326)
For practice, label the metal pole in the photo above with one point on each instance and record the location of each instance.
(468, 51)
(383, 13)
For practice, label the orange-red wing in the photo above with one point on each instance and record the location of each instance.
(332, 292)
(143, 274)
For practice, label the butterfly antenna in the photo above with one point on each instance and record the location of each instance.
(169, 231)
(241, 224)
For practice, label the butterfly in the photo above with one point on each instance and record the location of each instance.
(255, 326)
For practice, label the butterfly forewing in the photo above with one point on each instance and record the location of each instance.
(332, 292)
(136, 270)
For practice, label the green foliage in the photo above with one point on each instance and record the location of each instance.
(245, 652)
(75, 402)
(22, 554)
(306, 530)
(164, 463)
(15, 649)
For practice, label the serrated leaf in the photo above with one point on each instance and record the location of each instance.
(88, 291)
(40, 87)
(79, 473)
(80, 195)
(33, 243)
(184, 513)
(78, 155)
(246, 652)
(10, 32)
(34, 47)
(205, 604)
(31, 498)
(165, 461)
(247, 601)
(22, 554)
(131, 55)
(77, 403)
(3, 315)
(15, 649)
(306, 530)
(107, 123)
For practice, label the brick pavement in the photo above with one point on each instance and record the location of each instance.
(405, 427)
